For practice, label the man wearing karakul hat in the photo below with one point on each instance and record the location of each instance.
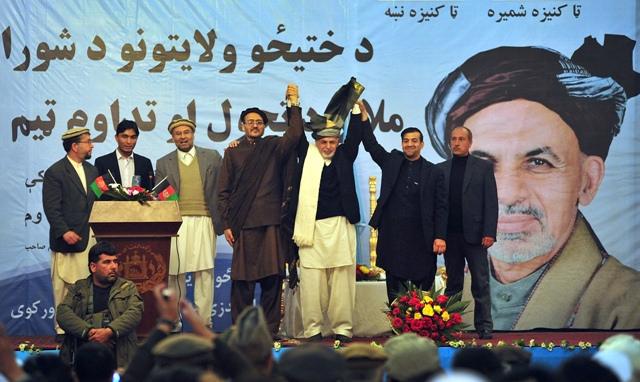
(326, 214)
(67, 205)
(546, 122)
(193, 173)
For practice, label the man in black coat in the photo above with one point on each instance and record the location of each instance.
(122, 163)
(67, 202)
(411, 213)
(472, 224)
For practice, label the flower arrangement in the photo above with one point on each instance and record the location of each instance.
(429, 314)
(365, 273)
(134, 193)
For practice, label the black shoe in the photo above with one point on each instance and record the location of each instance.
(315, 338)
(343, 339)
(485, 334)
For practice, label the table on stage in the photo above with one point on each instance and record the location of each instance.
(369, 319)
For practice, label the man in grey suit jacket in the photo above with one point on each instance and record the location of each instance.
(193, 173)
(471, 225)
(67, 203)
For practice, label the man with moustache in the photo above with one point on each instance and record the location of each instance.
(411, 212)
(193, 173)
(324, 231)
(102, 308)
(67, 203)
(471, 225)
(123, 163)
(252, 186)
(546, 123)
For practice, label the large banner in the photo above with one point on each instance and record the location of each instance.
(92, 63)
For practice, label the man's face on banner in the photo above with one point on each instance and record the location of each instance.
(539, 174)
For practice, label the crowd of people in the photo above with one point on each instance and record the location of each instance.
(245, 353)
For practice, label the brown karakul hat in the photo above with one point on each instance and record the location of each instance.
(361, 350)
(181, 122)
(74, 132)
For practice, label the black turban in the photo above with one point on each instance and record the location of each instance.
(588, 91)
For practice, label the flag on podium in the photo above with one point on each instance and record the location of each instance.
(101, 184)
(164, 190)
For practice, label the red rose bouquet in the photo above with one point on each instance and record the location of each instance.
(134, 193)
(429, 314)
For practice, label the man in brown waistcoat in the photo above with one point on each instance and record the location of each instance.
(251, 193)
(193, 173)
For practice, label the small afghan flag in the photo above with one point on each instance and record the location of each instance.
(101, 185)
(165, 191)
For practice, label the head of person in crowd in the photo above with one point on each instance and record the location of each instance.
(412, 143)
(480, 360)
(312, 363)
(411, 358)
(623, 345)
(77, 143)
(254, 121)
(184, 349)
(183, 373)
(513, 357)
(546, 122)
(103, 263)
(127, 136)
(47, 368)
(583, 368)
(251, 337)
(94, 362)
(182, 132)
(530, 373)
(365, 362)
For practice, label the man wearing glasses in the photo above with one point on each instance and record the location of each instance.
(67, 205)
(251, 193)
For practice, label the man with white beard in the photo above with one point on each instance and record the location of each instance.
(546, 123)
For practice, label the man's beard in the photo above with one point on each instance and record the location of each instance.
(108, 279)
(520, 247)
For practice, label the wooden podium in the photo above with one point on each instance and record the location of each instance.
(142, 234)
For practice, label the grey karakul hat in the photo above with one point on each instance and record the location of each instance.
(183, 348)
(251, 335)
(410, 356)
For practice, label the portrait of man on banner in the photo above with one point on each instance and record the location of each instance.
(546, 122)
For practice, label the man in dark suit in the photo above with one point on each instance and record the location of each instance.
(326, 214)
(67, 205)
(193, 173)
(251, 189)
(472, 224)
(411, 213)
(122, 163)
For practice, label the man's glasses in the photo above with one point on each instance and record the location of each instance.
(88, 141)
(257, 122)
